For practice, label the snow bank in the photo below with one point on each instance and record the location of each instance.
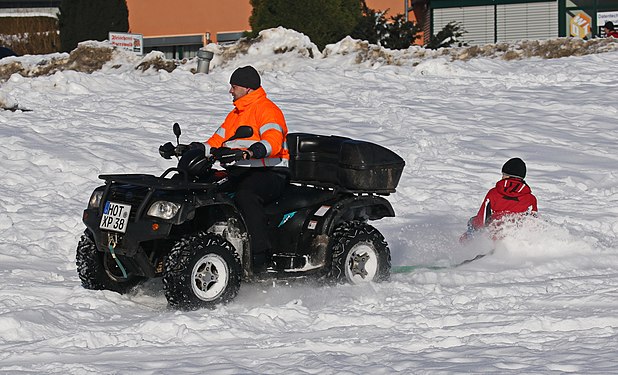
(542, 303)
(289, 44)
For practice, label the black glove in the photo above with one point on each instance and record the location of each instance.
(167, 150)
(258, 150)
(217, 152)
(228, 155)
(236, 155)
(198, 145)
(181, 149)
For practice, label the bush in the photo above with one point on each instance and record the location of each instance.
(82, 20)
(393, 33)
(447, 36)
(398, 33)
(323, 21)
(367, 26)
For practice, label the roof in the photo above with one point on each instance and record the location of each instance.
(30, 4)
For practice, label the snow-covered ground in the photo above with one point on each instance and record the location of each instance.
(545, 302)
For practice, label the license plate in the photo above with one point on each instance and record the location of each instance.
(115, 217)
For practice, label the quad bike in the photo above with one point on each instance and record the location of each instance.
(184, 227)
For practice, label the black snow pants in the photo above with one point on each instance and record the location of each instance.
(254, 188)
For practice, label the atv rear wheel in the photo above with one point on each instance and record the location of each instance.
(359, 254)
(202, 270)
(99, 271)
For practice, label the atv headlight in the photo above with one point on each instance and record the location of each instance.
(95, 199)
(163, 209)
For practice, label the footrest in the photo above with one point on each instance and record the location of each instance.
(288, 261)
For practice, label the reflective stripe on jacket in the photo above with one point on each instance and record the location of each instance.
(269, 128)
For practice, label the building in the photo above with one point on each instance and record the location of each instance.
(492, 21)
(30, 26)
(180, 28)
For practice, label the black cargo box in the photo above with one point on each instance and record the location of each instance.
(353, 165)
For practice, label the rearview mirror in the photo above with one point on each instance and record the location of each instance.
(242, 132)
(177, 132)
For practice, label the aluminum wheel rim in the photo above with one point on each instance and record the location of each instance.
(361, 264)
(209, 277)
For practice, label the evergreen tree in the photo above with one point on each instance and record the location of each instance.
(398, 33)
(81, 20)
(393, 33)
(323, 21)
(446, 37)
(366, 28)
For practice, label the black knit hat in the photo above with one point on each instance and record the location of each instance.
(246, 76)
(515, 167)
(609, 25)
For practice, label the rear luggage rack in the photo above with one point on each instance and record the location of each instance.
(345, 164)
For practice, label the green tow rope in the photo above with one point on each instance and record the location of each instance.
(111, 250)
(409, 269)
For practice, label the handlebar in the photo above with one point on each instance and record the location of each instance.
(168, 150)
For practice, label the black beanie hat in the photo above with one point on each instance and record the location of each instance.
(609, 25)
(515, 167)
(246, 76)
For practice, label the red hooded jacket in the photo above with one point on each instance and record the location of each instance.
(511, 195)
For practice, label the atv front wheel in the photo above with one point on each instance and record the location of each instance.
(202, 270)
(99, 271)
(359, 254)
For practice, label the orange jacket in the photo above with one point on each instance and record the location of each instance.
(269, 128)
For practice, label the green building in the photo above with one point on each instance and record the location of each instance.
(492, 21)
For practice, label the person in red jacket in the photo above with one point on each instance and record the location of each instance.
(610, 31)
(257, 166)
(510, 196)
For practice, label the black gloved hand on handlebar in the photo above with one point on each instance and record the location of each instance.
(167, 150)
(217, 152)
(198, 145)
(181, 149)
(227, 155)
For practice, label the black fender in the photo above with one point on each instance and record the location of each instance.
(322, 221)
(206, 213)
(358, 207)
